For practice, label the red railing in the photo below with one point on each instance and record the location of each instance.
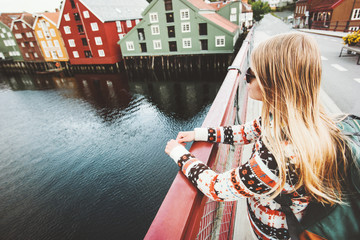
(185, 212)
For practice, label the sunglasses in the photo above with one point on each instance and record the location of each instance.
(249, 75)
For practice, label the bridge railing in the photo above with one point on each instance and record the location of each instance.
(185, 212)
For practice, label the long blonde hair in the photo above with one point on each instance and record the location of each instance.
(288, 69)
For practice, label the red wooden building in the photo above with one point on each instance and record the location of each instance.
(92, 28)
(22, 28)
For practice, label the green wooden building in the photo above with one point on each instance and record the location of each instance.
(9, 49)
(238, 12)
(180, 27)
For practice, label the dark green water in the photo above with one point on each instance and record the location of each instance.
(83, 157)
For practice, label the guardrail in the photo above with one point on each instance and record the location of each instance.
(340, 26)
(185, 212)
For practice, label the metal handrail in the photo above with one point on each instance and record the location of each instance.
(179, 215)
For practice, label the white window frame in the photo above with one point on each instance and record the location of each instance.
(184, 14)
(86, 14)
(186, 42)
(29, 35)
(118, 26)
(101, 53)
(233, 17)
(43, 44)
(52, 32)
(121, 35)
(56, 43)
(153, 17)
(221, 39)
(75, 54)
(50, 43)
(184, 27)
(31, 44)
(94, 26)
(60, 53)
(130, 46)
(233, 10)
(72, 43)
(39, 33)
(67, 30)
(356, 14)
(137, 21)
(47, 54)
(22, 44)
(2, 35)
(9, 34)
(18, 35)
(27, 55)
(98, 41)
(155, 30)
(157, 44)
(16, 27)
(36, 55)
(24, 25)
(67, 17)
(128, 23)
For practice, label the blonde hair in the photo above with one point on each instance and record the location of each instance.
(288, 69)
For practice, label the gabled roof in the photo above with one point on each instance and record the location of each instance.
(323, 5)
(201, 5)
(7, 18)
(246, 7)
(52, 16)
(221, 21)
(28, 18)
(116, 10)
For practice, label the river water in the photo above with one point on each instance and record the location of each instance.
(82, 157)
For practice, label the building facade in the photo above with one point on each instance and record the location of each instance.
(9, 49)
(49, 37)
(180, 27)
(335, 15)
(92, 28)
(301, 14)
(22, 29)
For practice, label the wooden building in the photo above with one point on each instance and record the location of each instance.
(22, 28)
(335, 15)
(301, 14)
(49, 37)
(236, 11)
(180, 27)
(92, 28)
(9, 50)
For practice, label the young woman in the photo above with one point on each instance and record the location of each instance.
(298, 148)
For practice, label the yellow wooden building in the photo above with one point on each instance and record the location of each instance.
(49, 37)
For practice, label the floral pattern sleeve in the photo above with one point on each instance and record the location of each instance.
(238, 134)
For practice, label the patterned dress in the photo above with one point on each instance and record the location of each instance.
(253, 180)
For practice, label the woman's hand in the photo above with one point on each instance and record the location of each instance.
(185, 136)
(171, 145)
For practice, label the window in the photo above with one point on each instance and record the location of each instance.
(153, 17)
(84, 42)
(170, 17)
(3, 30)
(54, 55)
(356, 14)
(52, 32)
(43, 44)
(204, 44)
(98, 41)
(39, 33)
(171, 31)
(128, 23)
(94, 26)
(23, 45)
(67, 17)
(168, 5)
(118, 26)
(27, 55)
(137, 21)
(185, 27)
(184, 14)
(233, 10)
(36, 55)
(77, 16)
(172, 46)
(155, 30)
(72, 4)
(29, 35)
(101, 53)
(2, 35)
(130, 46)
(67, 30)
(59, 53)
(71, 42)
(80, 29)
(75, 54)
(18, 35)
(86, 14)
(31, 44)
(9, 35)
(23, 25)
(121, 36)
(143, 47)
(141, 34)
(16, 27)
(88, 54)
(157, 44)
(202, 29)
(220, 41)
(50, 44)
(233, 17)
(186, 42)
(56, 43)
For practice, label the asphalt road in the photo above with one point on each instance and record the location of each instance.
(341, 75)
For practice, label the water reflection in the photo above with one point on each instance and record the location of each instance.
(114, 92)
